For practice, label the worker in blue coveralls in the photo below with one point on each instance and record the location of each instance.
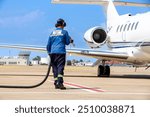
(56, 49)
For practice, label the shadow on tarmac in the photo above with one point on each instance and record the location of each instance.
(131, 76)
(89, 76)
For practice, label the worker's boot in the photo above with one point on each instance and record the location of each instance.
(60, 83)
(62, 87)
(57, 86)
(56, 83)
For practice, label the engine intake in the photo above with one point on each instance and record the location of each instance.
(95, 37)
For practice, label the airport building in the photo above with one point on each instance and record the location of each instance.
(84, 63)
(44, 61)
(34, 62)
(21, 59)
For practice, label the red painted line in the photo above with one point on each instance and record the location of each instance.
(84, 87)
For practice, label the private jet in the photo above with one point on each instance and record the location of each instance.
(126, 36)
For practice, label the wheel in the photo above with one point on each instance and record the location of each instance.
(107, 71)
(103, 71)
(100, 71)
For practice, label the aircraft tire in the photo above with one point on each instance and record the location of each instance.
(103, 71)
(107, 71)
(100, 71)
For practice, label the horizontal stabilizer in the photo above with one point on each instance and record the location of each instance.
(121, 3)
(79, 1)
(100, 2)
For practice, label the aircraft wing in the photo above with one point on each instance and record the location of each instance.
(25, 47)
(107, 55)
(100, 2)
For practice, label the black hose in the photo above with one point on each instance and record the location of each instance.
(32, 86)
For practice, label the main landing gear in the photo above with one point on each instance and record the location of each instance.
(103, 70)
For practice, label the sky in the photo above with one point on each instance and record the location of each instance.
(30, 22)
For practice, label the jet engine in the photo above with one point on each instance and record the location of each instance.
(95, 37)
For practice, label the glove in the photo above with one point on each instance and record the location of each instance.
(71, 40)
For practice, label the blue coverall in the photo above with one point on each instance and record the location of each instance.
(56, 48)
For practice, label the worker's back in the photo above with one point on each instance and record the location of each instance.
(57, 41)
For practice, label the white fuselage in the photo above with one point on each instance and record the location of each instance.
(128, 36)
(131, 34)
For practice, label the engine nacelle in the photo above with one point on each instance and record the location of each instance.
(95, 37)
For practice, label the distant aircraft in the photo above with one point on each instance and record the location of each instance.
(126, 36)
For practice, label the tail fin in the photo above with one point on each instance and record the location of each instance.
(111, 12)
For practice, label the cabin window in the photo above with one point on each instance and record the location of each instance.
(136, 25)
(132, 26)
(125, 27)
(129, 27)
(117, 28)
(121, 28)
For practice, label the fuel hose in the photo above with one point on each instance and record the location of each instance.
(30, 86)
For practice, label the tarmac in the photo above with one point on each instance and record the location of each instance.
(82, 83)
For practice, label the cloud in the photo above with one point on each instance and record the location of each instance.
(21, 20)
